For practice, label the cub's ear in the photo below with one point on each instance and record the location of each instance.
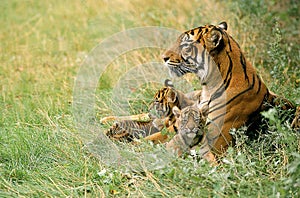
(223, 25)
(176, 111)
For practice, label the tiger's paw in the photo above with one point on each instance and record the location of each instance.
(210, 158)
(117, 132)
(176, 145)
(132, 130)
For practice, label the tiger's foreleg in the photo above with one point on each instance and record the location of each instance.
(130, 130)
(178, 146)
(157, 138)
(144, 117)
(160, 137)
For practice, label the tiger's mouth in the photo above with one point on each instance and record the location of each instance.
(196, 140)
(180, 69)
(191, 138)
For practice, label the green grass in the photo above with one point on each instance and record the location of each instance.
(42, 47)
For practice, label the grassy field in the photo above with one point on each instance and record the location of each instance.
(43, 44)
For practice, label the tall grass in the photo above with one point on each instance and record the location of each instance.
(42, 47)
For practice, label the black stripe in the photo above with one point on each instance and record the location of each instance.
(227, 83)
(201, 65)
(227, 80)
(199, 35)
(211, 108)
(243, 62)
(199, 139)
(239, 94)
(228, 39)
(199, 39)
(203, 55)
(259, 84)
(217, 117)
(188, 36)
(208, 58)
(192, 32)
(175, 128)
(237, 44)
(183, 45)
(218, 93)
(229, 72)
(215, 109)
(196, 52)
(218, 65)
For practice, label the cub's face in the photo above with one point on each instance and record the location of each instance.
(164, 100)
(190, 52)
(190, 122)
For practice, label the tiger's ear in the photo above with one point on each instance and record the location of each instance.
(223, 25)
(176, 111)
(168, 83)
(214, 38)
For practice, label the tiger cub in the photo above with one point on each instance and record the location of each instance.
(191, 125)
(160, 116)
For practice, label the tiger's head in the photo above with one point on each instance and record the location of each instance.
(190, 122)
(164, 100)
(192, 48)
(168, 97)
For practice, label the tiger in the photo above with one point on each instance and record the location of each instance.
(130, 129)
(160, 116)
(235, 98)
(191, 124)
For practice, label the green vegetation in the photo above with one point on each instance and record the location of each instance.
(43, 44)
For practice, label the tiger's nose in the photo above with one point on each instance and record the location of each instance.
(166, 58)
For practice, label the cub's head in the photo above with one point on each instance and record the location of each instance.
(164, 100)
(191, 49)
(190, 122)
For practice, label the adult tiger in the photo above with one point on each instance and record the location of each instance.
(231, 87)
